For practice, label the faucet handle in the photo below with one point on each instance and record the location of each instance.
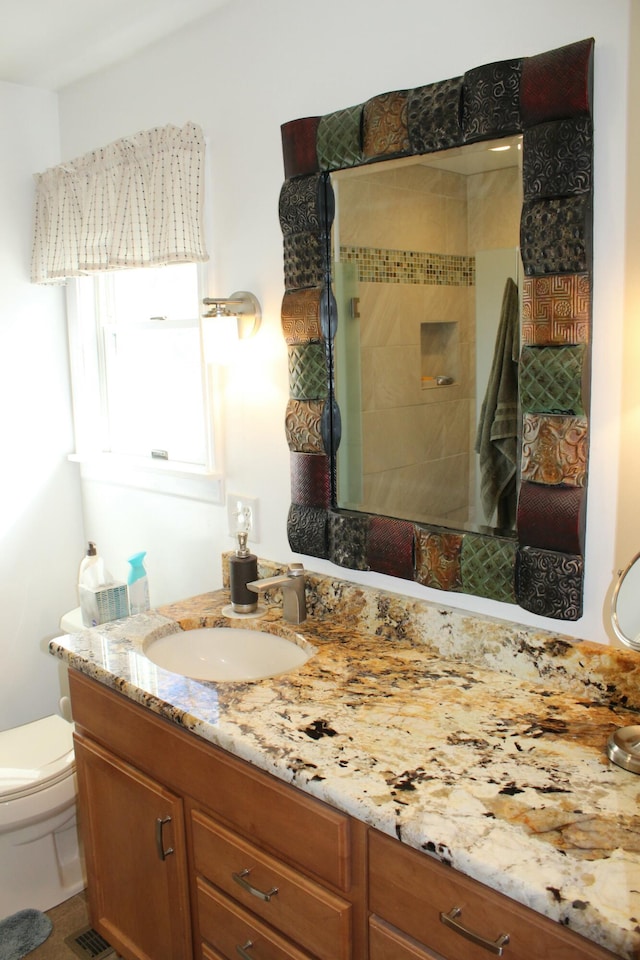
(296, 570)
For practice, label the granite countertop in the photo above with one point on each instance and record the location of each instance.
(478, 741)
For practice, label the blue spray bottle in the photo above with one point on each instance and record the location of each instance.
(137, 584)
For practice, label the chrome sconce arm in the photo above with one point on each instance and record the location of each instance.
(242, 305)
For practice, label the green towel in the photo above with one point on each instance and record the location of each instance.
(497, 436)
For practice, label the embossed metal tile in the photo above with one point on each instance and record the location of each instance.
(303, 426)
(487, 566)
(310, 480)
(305, 260)
(306, 205)
(340, 139)
(556, 309)
(551, 379)
(390, 547)
(301, 315)
(555, 235)
(549, 584)
(307, 371)
(434, 116)
(307, 530)
(438, 559)
(384, 123)
(557, 83)
(557, 159)
(299, 146)
(348, 539)
(491, 100)
(551, 517)
(554, 449)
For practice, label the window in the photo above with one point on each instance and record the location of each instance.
(143, 397)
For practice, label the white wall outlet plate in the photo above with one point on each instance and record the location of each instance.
(237, 503)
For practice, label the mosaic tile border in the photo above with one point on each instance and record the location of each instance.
(378, 265)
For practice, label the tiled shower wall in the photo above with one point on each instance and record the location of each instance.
(409, 230)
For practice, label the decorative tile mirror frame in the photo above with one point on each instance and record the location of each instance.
(548, 99)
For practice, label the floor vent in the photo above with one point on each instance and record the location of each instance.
(89, 945)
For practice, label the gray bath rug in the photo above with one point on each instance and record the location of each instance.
(22, 932)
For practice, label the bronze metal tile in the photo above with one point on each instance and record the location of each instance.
(385, 125)
(438, 559)
(556, 309)
(554, 449)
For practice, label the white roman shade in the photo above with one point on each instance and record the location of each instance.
(137, 202)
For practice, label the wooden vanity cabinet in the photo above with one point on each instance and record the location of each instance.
(410, 893)
(236, 833)
(186, 846)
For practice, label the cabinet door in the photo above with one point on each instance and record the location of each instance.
(133, 833)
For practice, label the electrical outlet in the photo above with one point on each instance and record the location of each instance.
(235, 503)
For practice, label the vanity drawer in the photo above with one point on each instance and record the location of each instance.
(411, 890)
(387, 943)
(301, 909)
(230, 927)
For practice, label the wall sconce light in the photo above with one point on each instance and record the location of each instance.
(241, 305)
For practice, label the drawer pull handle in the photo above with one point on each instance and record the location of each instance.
(243, 950)
(493, 946)
(240, 879)
(162, 853)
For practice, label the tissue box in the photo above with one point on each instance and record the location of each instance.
(106, 603)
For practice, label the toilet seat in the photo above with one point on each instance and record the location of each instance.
(35, 756)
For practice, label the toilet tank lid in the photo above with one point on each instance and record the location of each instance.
(35, 755)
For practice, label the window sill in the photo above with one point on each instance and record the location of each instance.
(185, 480)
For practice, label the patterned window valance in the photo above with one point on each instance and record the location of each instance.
(137, 202)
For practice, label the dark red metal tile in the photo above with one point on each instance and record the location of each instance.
(299, 147)
(390, 547)
(551, 517)
(557, 83)
(310, 480)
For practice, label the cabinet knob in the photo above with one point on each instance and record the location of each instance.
(243, 950)
(493, 946)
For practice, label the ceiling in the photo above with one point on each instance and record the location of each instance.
(51, 43)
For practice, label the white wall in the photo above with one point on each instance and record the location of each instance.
(628, 540)
(40, 508)
(241, 73)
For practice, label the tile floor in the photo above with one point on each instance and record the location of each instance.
(68, 918)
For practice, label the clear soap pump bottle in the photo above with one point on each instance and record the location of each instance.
(243, 568)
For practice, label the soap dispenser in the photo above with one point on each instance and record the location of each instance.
(243, 568)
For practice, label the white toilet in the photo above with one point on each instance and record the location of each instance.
(39, 850)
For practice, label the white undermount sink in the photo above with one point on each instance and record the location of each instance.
(226, 653)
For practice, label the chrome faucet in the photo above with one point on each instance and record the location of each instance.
(294, 604)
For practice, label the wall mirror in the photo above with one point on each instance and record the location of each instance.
(625, 605)
(342, 320)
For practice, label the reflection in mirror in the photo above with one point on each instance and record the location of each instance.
(426, 268)
(625, 605)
